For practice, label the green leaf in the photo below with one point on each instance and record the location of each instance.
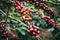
(8, 28)
(58, 19)
(29, 37)
(21, 31)
(14, 21)
(36, 17)
(12, 8)
(1, 4)
(43, 23)
(51, 29)
(24, 28)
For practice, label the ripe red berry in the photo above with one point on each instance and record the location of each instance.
(33, 33)
(35, 30)
(34, 27)
(18, 3)
(31, 29)
(50, 21)
(40, 14)
(38, 32)
(41, 4)
(27, 26)
(19, 12)
(16, 8)
(3, 28)
(56, 25)
(28, 31)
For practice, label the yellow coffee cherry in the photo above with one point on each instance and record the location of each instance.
(27, 19)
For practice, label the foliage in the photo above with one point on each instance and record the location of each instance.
(18, 28)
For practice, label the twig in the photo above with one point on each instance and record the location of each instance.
(6, 16)
(17, 20)
(13, 18)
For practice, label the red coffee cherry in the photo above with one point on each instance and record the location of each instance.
(33, 30)
(4, 30)
(50, 21)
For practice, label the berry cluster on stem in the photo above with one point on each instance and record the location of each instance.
(44, 7)
(33, 30)
(49, 20)
(3, 29)
(23, 11)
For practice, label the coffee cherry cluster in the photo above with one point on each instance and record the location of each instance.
(48, 10)
(23, 11)
(33, 30)
(3, 29)
(20, 8)
(26, 18)
(51, 21)
(43, 6)
(40, 14)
